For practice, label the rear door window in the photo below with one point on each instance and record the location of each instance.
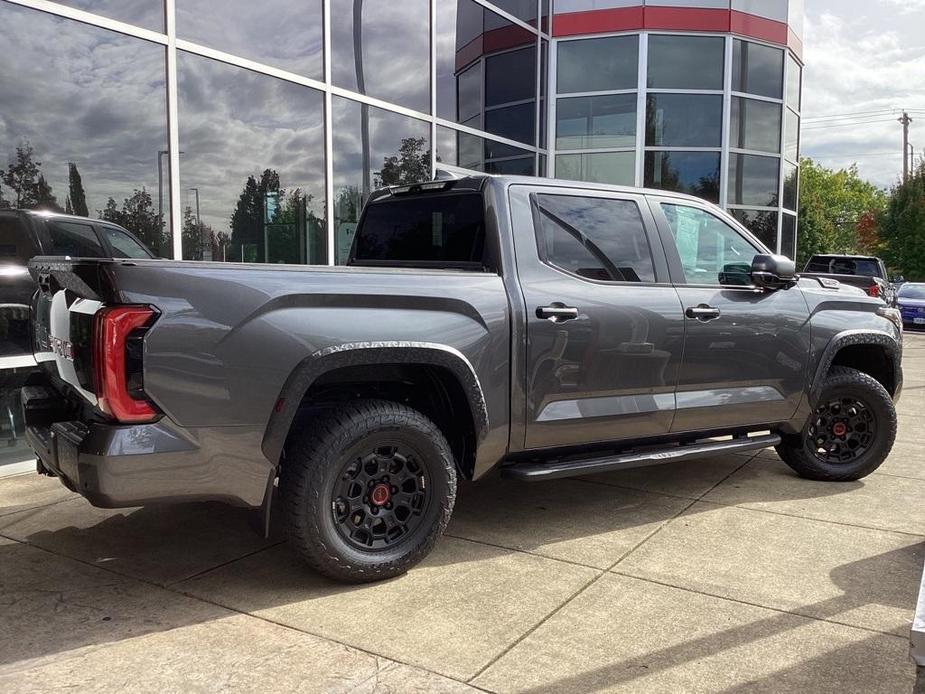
(595, 238)
(428, 231)
(16, 244)
(74, 239)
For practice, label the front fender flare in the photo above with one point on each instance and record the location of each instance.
(367, 354)
(854, 337)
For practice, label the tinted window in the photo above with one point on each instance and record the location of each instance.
(755, 125)
(596, 122)
(685, 62)
(74, 239)
(252, 170)
(711, 251)
(843, 266)
(375, 51)
(594, 238)
(481, 154)
(791, 185)
(757, 69)
(123, 245)
(617, 168)
(615, 61)
(430, 229)
(788, 236)
(15, 242)
(522, 9)
(753, 180)
(696, 173)
(280, 33)
(794, 83)
(791, 135)
(684, 120)
(762, 223)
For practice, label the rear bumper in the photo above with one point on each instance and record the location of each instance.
(116, 466)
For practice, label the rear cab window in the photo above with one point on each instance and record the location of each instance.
(827, 264)
(74, 239)
(438, 230)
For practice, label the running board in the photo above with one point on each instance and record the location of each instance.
(573, 467)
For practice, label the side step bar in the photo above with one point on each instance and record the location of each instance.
(573, 467)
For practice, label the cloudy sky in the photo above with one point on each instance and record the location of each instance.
(865, 62)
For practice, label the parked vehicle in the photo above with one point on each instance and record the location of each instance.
(865, 272)
(548, 328)
(910, 300)
(23, 235)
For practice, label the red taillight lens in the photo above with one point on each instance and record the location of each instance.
(112, 330)
(874, 290)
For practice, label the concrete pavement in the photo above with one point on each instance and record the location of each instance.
(725, 575)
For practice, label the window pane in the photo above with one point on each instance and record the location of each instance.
(594, 238)
(96, 128)
(512, 122)
(615, 61)
(791, 185)
(377, 53)
(684, 120)
(16, 244)
(123, 245)
(524, 10)
(757, 69)
(755, 125)
(711, 251)
(74, 239)
(484, 60)
(252, 170)
(753, 180)
(373, 148)
(481, 154)
(280, 33)
(685, 62)
(429, 229)
(788, 236)
(544, 57)
(791, 136)
(617, 168)
(794, 83)
(596, 122)
(762, 223)
(696, 173)
(143, 13)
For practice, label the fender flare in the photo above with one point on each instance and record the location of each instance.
(369, 354)
(848, 338)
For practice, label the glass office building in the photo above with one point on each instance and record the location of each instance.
(253, 131)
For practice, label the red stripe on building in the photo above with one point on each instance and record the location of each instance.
(686, 18)
(671, 19)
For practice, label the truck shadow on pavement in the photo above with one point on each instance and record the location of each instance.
(54, 597)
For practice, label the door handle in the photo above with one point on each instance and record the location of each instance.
(703, 313)
(557, 313)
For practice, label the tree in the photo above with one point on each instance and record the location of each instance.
(138, 216)
(902, 227)
(76, 197)
(833, 208)
(21, 176)
(411, 165)
(44, 198)
(247, 220)
(192, 235)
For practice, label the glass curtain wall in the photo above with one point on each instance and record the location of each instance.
(710, 115)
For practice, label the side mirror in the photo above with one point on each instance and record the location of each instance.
(773, 271)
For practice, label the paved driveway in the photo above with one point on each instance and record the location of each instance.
(725, 575)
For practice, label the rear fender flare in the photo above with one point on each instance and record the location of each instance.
(369, 354)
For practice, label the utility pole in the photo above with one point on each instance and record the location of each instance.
(905, 120)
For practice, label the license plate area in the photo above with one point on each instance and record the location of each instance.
(919, 321)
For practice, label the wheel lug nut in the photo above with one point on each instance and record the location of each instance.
(395, 490)
(389, 505)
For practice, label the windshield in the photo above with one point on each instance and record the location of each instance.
(912, 291)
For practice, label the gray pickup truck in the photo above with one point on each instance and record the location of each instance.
(543, 328)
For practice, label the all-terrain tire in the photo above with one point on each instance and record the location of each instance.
(844, 385)
(320, 474)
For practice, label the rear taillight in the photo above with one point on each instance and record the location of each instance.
(874, 290)
(118, 332)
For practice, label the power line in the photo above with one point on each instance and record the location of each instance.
(846, 125)
(855, 114)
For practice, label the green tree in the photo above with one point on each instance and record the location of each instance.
(902, 227)
(44, 198)
(247, 220)
(76, 196)
(138, 216)
(21, 176)
(411, 165)
(833, 205)
(192, 235)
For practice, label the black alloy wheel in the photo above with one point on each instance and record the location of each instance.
(842, 430)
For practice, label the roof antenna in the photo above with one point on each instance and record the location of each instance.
(445, 175)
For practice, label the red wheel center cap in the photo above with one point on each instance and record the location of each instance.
(380, 494)
(839, 429)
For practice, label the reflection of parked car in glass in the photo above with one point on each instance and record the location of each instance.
(23, 235)
(910, 299)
